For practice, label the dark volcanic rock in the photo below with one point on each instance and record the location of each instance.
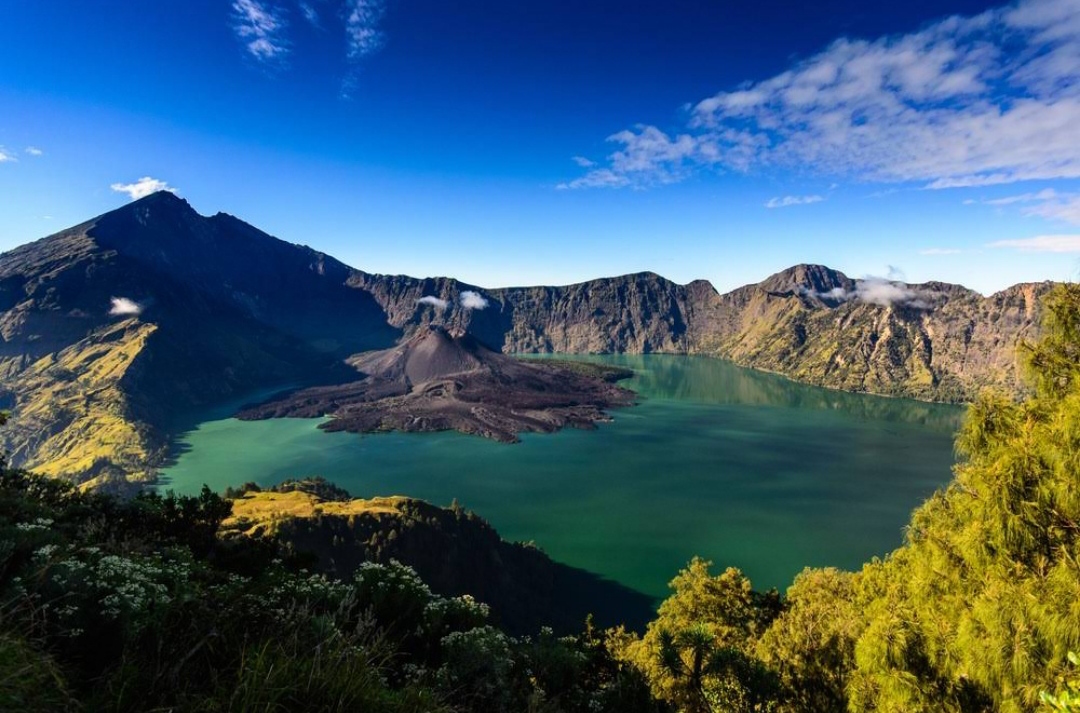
(438, 381)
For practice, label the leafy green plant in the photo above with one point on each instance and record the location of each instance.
(1067, 699)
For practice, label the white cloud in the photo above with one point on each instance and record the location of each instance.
(124, 307)
(362, 27)
(1043, 195)
(142, 187)
(435, 302)
(792, 200)
(888, 293)
(6, 156)
(600, 178)
(34, 151)
(363, 36)
(648, 157)
(941, 251)
(310, 14)
(1062, 207)
(583, 162)
(261, 26)
(966, 101)
(878, 291)
(1047, 203)
(473, 300)
(1042, 244)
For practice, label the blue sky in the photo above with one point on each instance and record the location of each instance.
(549, 142)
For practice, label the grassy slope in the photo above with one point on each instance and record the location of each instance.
(72, 413)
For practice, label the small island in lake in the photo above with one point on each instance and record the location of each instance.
(440, 381)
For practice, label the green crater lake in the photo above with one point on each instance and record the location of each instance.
(744, 468)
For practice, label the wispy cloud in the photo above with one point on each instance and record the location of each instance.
(889, 293)
(1043, 195)
(786, 201)
(473, 300)
(1060, 207)
(583, 162)
(1042, 244)
(364, 37)
(362, 27)
(34, 151)
(880, 291)
(142, 187)
(648, 157)
(435, 302)
(940, 251)
(261, 27)
(7, 156)
(310, 13)
(1047, 203)
(966, 101)
(124, 307)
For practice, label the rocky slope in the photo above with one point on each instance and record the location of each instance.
(454, 551)
(111, 329)
(932, 341)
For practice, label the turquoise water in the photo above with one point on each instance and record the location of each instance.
(743, 468)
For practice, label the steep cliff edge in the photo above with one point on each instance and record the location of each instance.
(454, 551)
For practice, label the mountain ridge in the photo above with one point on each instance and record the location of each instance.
(110, 326)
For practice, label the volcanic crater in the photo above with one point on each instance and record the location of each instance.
(440, 380)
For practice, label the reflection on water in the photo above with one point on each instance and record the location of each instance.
(714, 381)
(747, 469)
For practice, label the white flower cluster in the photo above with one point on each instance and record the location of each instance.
(119, 586)
(439, 608)
(41, 523)
(394, 575)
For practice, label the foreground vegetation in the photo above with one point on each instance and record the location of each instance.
(141, 605)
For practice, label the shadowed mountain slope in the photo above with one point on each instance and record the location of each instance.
(112, 327)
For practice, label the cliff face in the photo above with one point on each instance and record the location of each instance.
(639, 313)
(111, 328)
(933, 341)
(454, 551)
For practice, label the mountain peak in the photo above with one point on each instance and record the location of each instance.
(807, 277)
(159, 201)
